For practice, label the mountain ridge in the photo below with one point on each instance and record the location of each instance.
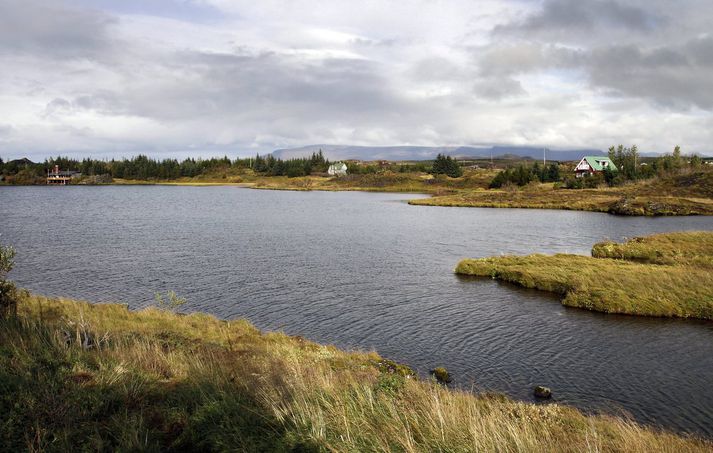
(408, 152)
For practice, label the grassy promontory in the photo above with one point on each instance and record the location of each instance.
(683, 194)
(661, 275)
(76, 376)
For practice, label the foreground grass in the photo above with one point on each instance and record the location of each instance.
(75, 376)
(685, 194)
(660, 275)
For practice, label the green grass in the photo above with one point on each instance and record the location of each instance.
(661, 275)
(157, 381)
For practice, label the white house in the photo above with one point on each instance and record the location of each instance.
(337, 169)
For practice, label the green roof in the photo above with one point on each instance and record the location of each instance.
(598, 163)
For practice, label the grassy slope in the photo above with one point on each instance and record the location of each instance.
(159, 381)
(686, 194)
(661, 275)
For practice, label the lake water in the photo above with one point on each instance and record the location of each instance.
(368, 271)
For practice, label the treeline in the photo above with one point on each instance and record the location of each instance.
(143, 167)
(630, 167)
(292, 167)
(523, 175)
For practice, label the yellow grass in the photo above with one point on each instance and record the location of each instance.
(662, 275)
(153, 380)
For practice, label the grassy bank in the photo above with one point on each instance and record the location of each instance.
(379, 182)
(685, 194)
(688, 193)
(660, 275)
(75, 376)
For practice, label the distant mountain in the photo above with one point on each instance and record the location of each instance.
(340, 152)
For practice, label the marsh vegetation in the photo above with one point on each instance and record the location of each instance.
(661, 275)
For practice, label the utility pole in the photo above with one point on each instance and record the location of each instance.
(544, 157)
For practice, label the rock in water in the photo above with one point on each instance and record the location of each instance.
(543, 392)
(441, 375)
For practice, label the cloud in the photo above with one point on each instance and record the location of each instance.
(582, 17)
(113, 78)
(675, 77)
(45, 28)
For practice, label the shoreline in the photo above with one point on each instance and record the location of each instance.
(154, 372)
(637, 200)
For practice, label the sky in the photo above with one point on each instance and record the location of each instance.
(173, 78)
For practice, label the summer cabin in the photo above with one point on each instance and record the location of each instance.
(337, 169)
(57, 177)
(590, 165)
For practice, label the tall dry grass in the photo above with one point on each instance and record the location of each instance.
(76, 376)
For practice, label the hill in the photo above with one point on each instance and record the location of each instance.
(398, 153)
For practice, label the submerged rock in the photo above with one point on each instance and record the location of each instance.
(442, 375)
(542, 392)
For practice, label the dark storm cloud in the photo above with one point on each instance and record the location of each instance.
(676, 77)
(583, 16)
(612, 46)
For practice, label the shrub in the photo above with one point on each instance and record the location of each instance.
(171, 303)
(8, 292)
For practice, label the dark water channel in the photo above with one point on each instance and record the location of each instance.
(368, 271)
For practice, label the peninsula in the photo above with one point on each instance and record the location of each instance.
(667, 275)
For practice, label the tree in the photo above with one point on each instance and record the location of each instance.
(626, 160)
(553, 172)
(445, 165)
(8, 292)
(696, 161)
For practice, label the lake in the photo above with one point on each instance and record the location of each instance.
(368, 271)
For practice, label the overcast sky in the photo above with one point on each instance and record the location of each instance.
(112, 78)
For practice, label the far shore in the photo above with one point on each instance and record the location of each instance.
(680, 195)
(644, 199)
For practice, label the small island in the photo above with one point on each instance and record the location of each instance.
(666, 275)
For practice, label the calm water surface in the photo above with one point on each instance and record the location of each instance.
(368, 271)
